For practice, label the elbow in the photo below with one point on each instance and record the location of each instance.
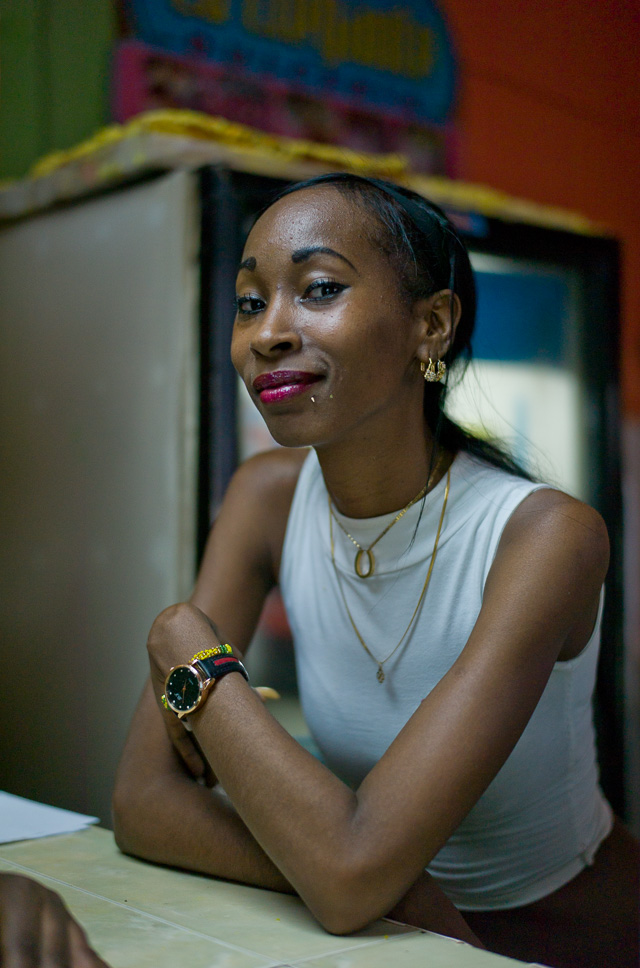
(120, 820)
(343, 922)
(345, 914)
(126, 810)
(348, 900)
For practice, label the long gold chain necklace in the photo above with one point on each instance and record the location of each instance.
(380, 676)
(366, 554)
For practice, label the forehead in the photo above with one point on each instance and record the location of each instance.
(319, 215)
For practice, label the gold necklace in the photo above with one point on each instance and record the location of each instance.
(380, 662)
(363, 553)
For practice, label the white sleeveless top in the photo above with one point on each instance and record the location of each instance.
(543, 816)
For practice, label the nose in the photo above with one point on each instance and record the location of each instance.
(275, 333)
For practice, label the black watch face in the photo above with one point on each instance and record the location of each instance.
(182, 689)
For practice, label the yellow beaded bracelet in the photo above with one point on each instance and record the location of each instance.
(222, 649)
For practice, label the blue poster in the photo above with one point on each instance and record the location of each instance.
(386, 55)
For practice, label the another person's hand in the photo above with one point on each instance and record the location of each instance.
(37, 931)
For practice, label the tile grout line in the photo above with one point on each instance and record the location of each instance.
(207, 937)
(365, 944)
(147, 914)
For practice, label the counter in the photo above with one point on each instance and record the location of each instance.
(138, 915)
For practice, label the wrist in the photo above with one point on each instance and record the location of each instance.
(225, 694)
(188, 685)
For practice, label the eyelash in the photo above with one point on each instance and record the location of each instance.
(321, 284)
(238, 303)
(337, 287)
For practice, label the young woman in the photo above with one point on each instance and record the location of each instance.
(445, 611)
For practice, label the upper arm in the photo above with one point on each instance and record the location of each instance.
(242, 555)
(548, 571)
(541, 592)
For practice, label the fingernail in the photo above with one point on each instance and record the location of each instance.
(266, 692)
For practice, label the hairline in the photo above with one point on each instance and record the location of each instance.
(356, 191)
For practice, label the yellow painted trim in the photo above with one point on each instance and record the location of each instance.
(271, 149)
(192, 124)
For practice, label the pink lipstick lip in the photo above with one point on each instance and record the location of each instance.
(283, 384)
(283, 378)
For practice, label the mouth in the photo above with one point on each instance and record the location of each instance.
(283, 384)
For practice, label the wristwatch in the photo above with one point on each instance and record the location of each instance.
(188, 685)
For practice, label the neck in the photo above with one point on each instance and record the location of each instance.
(366, 479)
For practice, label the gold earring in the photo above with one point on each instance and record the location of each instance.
(432, 371)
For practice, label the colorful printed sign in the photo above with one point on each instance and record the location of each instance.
(147, 78)
(393, 55)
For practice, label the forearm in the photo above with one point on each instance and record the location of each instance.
(320, 853)
(162, 814)
(314, 852)
(158, 807)
(352, 856)
(186, 825)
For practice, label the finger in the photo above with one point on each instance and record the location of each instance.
(21, 902)
(82, 954)
(208, 778)
(54, 946)
(266, 693)
(183, 744)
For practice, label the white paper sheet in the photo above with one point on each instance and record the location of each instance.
(22, 819)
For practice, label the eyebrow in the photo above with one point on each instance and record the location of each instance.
(301, 255)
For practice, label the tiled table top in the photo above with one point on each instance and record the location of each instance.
(138, 915)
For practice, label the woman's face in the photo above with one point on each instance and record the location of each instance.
(323, 339)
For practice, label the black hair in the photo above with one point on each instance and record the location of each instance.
(429, 256)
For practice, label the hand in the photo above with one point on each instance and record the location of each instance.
(176, 635)
(37, 930)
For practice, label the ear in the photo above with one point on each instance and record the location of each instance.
(437, 316)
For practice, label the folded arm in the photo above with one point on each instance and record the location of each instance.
(353, 856)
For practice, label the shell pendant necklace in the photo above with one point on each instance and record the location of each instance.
(365, 563)
(380, 676)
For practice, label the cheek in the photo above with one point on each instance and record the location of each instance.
(384, 344)
(238, 351)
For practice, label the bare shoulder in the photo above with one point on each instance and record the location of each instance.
(269, 479)
(550, 518)
(277, 468)
(259, 499)
(549, 568)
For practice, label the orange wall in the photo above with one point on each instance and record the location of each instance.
(549, 109)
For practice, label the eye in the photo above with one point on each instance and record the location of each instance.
(321, 290)
(249, 305)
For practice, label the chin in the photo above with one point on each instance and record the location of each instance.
(300, 430)
(289, 438)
